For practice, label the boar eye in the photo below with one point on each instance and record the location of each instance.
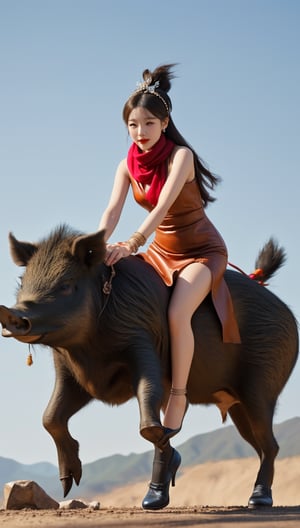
(66, 288)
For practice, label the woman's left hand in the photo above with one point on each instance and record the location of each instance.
(115, 252)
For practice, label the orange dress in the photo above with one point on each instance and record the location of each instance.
(186, 235)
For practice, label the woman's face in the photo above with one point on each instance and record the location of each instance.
(144, 128)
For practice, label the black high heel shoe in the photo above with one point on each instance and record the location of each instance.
(163, 474)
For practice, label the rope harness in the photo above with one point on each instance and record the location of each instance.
(106, 288)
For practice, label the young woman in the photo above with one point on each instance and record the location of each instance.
(169, 180)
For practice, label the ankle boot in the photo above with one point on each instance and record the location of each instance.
(165, 466)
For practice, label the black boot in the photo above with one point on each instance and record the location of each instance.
(165, 466)
(261, 496)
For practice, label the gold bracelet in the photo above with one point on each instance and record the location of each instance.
(133, 246)
(139, 237)
(135, 241)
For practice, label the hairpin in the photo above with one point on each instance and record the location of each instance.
(147, 87)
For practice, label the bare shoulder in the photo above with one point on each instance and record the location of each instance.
(182, 153)
(122, 169)
(182, 160)
(123, 166)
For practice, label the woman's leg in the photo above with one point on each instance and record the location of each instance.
(192, 286)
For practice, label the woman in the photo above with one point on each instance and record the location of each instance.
(169, 180)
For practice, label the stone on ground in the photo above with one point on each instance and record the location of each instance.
(21, 494)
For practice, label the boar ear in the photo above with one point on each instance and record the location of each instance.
(21, 252)
(90, 249)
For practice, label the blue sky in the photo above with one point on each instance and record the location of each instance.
(67, 67)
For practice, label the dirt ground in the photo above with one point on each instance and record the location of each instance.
(205, 517)
(215, 483)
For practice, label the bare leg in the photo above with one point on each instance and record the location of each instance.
(192, 286)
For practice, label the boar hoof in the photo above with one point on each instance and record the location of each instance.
(67, 483)
(152, 432)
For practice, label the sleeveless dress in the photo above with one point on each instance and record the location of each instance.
(186, 235)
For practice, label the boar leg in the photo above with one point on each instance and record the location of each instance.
(67, 398)
(255, 426)
(147, 381)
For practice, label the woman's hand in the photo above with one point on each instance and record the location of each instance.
(115, 252)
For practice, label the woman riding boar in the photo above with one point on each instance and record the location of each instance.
(170, 181)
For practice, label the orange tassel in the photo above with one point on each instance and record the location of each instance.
(29, 360)
(258, 272)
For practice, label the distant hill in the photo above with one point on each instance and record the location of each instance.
(226, 444)
(217, 484)
(107, 473)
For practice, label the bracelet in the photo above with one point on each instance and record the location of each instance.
(135, 241)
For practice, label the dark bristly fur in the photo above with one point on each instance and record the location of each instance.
(270, 259)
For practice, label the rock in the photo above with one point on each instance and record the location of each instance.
(72, 504)
(94, 505)
(21, 494)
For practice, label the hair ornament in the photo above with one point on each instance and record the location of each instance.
(147, 87)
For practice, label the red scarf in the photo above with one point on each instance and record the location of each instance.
(150, 168)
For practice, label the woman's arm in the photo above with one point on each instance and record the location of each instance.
(112, 213)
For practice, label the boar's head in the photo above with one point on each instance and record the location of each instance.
(54, 293)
